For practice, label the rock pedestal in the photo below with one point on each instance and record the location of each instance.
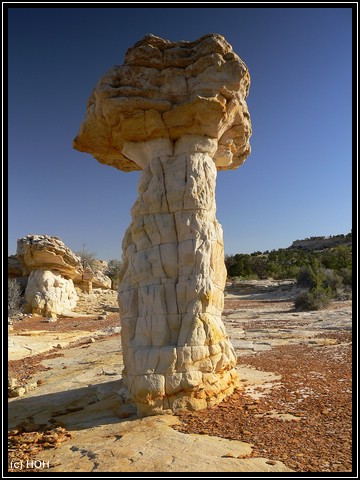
(176, 352)
(177, 112)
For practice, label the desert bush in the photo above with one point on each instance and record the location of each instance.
(14, 296)
(312, 276)
(346, 275)
(88, 259)
(338, 257)
(315, 299)
(333, 281)
(304, 278)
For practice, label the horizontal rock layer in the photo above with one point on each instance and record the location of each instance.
(48, 253)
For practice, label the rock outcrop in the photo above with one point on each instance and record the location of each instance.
(53, 271)
(177, 112)
(93, 277)
(100, 279)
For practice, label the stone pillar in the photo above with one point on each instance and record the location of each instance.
(177, 111)
(176, 352)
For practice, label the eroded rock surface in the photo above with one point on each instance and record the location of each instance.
(176, 111)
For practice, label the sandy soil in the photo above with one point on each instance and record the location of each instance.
(315, 388)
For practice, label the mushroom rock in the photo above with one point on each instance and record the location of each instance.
(176, 111)
(52, 267)
(47, 253)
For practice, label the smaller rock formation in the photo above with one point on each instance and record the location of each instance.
(51, 266)
(93, 277)
(83, 281)
(53, 271)
(100, 280)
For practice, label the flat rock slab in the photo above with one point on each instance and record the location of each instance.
(283, 327)
(84, 390)
(33, 343)
(151, 445)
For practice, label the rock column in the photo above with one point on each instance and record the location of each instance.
(177, 111)
(176, 352)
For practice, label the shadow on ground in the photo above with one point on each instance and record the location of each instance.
(78, 409)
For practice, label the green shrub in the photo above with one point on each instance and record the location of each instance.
(311, 276)
(333, 281)
(315, 299)
(346, 275)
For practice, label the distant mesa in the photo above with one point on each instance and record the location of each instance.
(320, 243)
(50, 272)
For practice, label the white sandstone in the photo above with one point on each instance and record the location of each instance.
(49, 294)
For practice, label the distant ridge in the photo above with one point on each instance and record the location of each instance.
(320, 243)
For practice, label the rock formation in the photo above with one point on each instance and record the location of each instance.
(51, 267)
(176, 111)
(53, 271)
(89, 279)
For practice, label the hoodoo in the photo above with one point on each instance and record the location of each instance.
(177, 111)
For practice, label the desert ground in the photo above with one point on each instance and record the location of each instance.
(68, 411)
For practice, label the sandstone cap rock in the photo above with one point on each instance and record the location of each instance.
(167, 90)
(47, 252)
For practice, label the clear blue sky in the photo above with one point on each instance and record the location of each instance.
(295, 184)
